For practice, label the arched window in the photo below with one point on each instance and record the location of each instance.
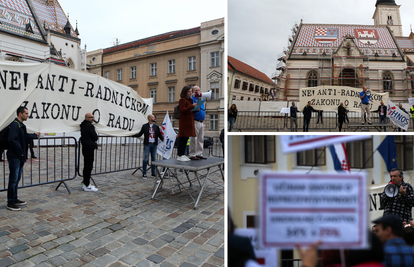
(313, 79)
(387, 81)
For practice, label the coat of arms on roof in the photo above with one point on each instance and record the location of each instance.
(326, 35)
(367, 36)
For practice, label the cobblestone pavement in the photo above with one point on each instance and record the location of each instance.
(117, 226)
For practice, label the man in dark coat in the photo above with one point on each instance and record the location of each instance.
(341, 115)
(382, 112)
(307, 114)
(151, 133)
(88, 141)
(293, 117)
(18, 140)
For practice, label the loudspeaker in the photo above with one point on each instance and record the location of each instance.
(391, 190)
(206, 95)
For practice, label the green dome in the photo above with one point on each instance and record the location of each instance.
(386, 2)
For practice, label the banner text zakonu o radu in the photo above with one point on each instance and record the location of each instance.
(58, 99)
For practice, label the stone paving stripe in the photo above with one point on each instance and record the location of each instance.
(186, 264)
(7, 262)
(220, 253)
(206, 212)
(192, 221)
(100, 252)
(35, 210)
(3, 233)
(180, 229)
(140, 241)
(156, 258)
(188, 225)
(167, 238)
(18, 248)
(42, 233)
(115, 227)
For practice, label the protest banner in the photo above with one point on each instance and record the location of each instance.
(266, 257)
(58, 99)
(397, 116)
(165, 148)
(304, 208)
(293, 143)
(329, 97)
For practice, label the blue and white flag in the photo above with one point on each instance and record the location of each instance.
(165, 148)
(340, 157)
(397, 116)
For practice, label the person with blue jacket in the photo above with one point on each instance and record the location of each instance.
(197, 142)
(18, 140)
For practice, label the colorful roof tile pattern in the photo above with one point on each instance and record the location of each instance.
(153, 39)
(406, 44)
(51, 15)
(14, 15)
(248, 70)
(317, 38)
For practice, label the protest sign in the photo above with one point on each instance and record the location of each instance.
(329, 97)
(293, 143)
(58, 98)
(304, 208)
(266, 257)
(411, 101)
(397, 116)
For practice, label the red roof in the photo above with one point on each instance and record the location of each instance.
(241, 67)
(153, 39)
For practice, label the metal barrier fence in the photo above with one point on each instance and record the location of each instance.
(56, 162)
(276, 121)
(217, 149)
(59, 159)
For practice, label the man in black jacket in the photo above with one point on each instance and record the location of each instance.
(382, 112)
(293, 117)
(307, 114)
(341, 115)
(18, 140)
(88, 141)
(151, 133)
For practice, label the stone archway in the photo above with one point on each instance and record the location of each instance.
(348, 77)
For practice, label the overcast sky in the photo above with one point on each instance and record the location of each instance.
(101, 22)
(258, 30)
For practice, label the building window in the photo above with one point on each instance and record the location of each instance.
(213, 122)
(191, 63)
(153, 69)
(237, 84)
(248, 99)
(245, 85)
(313, 157)
(153, 95)
(214, 87)
(234, 97)
(119, 74)
(387, 81)
(359, 154)
(404, 151)
(215, 60)
(172, 119)
(251, 87)
(171, 66)
(242, 97)
(312, 79)
(133, 72)
(171, 94)
(256, 89)
(260, 149)
(107, 74)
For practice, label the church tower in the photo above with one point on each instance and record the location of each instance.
(387, 12)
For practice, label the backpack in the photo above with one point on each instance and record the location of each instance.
(4, 134)
(177, 112)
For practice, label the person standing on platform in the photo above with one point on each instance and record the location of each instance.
(232, 116)
(412, 114)
(88, 141)
(151, 132)
(365, 98)
(341, 115)
(307, 114)
(382, 112)
(197, 142)
(293, 117)
(186, 122)
(18, 141)
(1, 155)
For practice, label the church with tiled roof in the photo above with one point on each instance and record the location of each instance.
(377, 56)
(39, 31)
